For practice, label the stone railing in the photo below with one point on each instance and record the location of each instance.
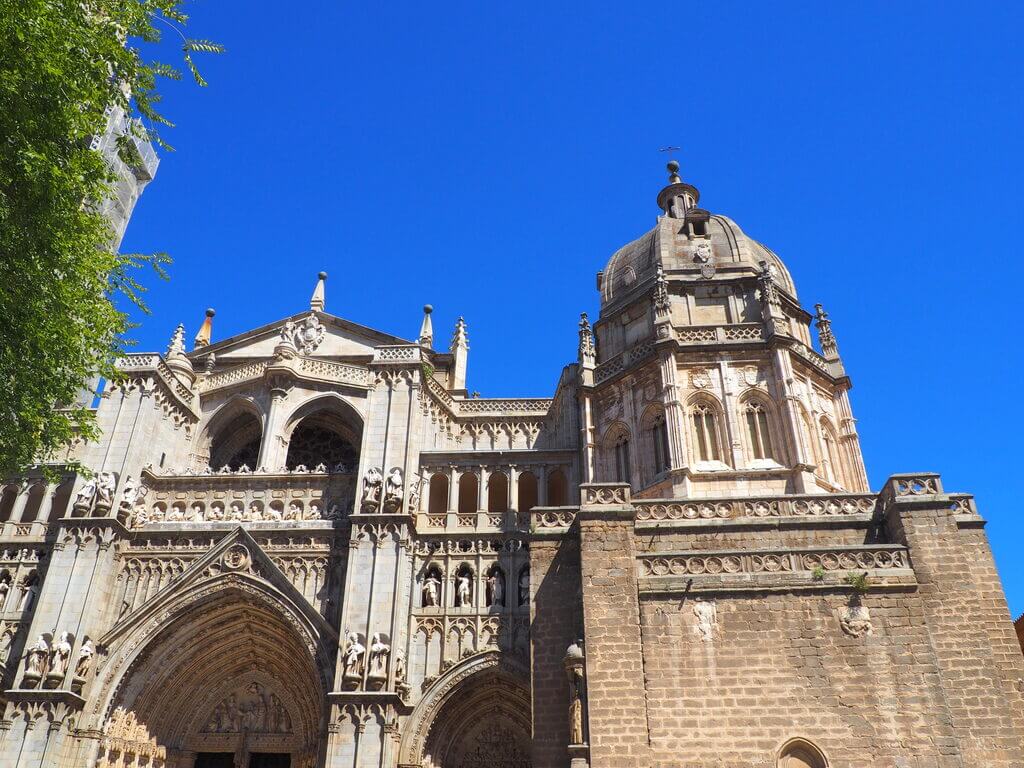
(848, 559)
(552, 518)
(138, 361)
(721, 334)
(404, 353)
(630, 357)
(603, 494)
(237, 375)
(531, 406)
(819, 505)
(328, 370)
(812, 357)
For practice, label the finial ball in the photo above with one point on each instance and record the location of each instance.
(673, 166)
(427, 309)
(322, 275)
(210, 312)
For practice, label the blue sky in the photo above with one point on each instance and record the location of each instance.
(488, 158)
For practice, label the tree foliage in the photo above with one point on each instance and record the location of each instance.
(63, 63)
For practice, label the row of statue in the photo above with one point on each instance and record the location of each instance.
(28, 588)
(255, 711)
(48, 664)
(97, 494)
(387, 493)
(245, 469)
(463, 597)
(235, 511)
(357, 659)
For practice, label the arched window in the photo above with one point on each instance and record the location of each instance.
(707, 444)
(10, 494)
(236, 440)
(558, 495)
(497, 493)
(34, 503)
(437, 504)
(810, 437)
(527, 491)
(325, 431)
(620, 450)
(800, 753)
(467, 493)
(759, 436)
(656, 453)
(832, 459)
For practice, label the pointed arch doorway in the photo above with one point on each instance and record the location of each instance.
(477, 715)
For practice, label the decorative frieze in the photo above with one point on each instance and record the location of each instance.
(879, 557)
(818, 505)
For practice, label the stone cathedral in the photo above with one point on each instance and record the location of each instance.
(310, 546)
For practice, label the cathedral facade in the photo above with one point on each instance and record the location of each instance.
(310, 546)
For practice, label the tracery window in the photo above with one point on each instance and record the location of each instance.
(833, 458)
(312, 444)
(621, 455)
(758, 434)
(706, 443)
(657, 438)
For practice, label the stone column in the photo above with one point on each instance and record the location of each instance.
(542, 485)
(482, 495)
(791, 426)
(271, 447)
(21, 501)
(732, 429)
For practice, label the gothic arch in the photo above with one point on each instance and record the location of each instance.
(480, 708)
(773, 447)
(171, 667)
(706, 427)
(327, 430)
(232, 435)
(615, 456)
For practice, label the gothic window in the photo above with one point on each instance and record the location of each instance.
(706, 441)
(759, 436)
(7, 502)
(657, 443)
(312, 444)
(237, 442)
(527, 491)
(558, 495)
(621, 454)
(832, 459)
(438, 501)
(497, 493)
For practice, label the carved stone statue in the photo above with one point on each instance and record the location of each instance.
(35, 660)
(855, 619)
(372, 482)
(574, 668)
(85, 496)
(106, 485)
(29, 590)
(524, 587)
(414, 494)
(353, 660)
(431, 591)
(130, 494)
(400, 667)
(285, 349)
(60, 656)
(463, 590)
(293, 513)
(5, 588)
(707, 616)
(394, 490)
(495, 588)
(379, 652)
(84, 663)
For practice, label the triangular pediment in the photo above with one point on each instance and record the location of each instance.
(341, 339)
(236, 556)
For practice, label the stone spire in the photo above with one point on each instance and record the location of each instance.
(460, 352)
(176, 359)
(829, 348)
(678, 197)
(427, 328)
(203, 337)
(316, 302)
(587, 354)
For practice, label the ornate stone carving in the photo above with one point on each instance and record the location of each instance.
(700, 378)
(819, 505)
(431, 590)
(394, 491)
(574, 668)
(463, 591)
(309, 334)
(36, 660)
(707, 618)
(106, 484)
(496, 588)
(352, 661)
(587, 353)
(255, 710)
(372, 482)
(85, 658)
(236, 558)
(85, 497)
(855, 619)
(378, 662)
(60, 659)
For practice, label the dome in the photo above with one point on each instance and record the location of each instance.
(719, 249)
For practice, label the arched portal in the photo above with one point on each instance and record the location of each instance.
(228, 674)
(326, 431)
(476, 716)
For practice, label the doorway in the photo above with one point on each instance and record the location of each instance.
(256, 760)
(215, 760)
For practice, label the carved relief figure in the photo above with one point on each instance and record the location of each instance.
(495, 588)
(463, 590)
(85, 495)
(5, 588)
(352, 664)
(29, 590)
(105, 488)
(257, 711)
(35, 660)
(394, 491)
(706, 615)
(855, 619)
(379, 652)
(371, 487)
(60, 656)
(431, 590)
(84, 663)
(574, 669)
(524, 586)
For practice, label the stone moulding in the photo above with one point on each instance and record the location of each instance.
(887, 565)
(658, 513)
(311, 368)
